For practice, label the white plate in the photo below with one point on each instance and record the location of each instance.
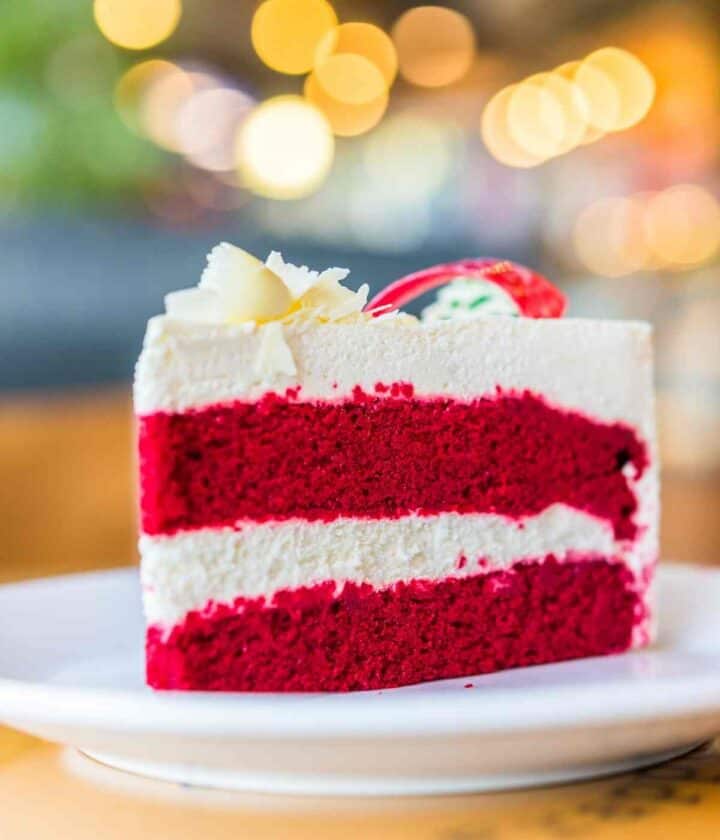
(71, 671)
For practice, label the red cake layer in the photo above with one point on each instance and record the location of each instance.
(382, 455)
(314, 639)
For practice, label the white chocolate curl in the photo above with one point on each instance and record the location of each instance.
(236, 287)
(247, 289)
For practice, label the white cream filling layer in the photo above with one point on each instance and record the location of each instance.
(186, 571)
(603, 368)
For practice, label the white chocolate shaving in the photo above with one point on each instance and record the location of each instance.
(248, 290)
(299, 278)
(236, 287)
(329, 301)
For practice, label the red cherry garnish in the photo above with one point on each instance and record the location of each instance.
(534, 294)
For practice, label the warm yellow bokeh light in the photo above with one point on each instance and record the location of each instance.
(149, 96)
(682, 225)
(608, 237)
(633, 83)
(549, 114)
(132, 86)
(361, 39)
(602, 96)
(568, 71)
(137, 24)
(284, 148)
(592, 234)
(286, 33)
(630, 243)
(536, 119)
(641, 242)
(345, 120)
(160, 104)
(350, 78)
(673, 229)
(435, 45)
(496, 134)
(574, 107)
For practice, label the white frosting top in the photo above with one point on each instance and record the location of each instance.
(573, 363)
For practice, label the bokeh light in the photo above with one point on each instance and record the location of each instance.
(549, 114)
(162, 98)
(435, 45)
(633, 83)
(284, 148)
(287, 33)
(355, 65)
(137, 24)
(206, 125)
(496, 135)
(536, 118)
(363, 39)
(673, 229)
(569, 71)
(132, 86)
(151, 96)
(573, 104)
(350, 78)
(345, 120)
(608, 237)
(682, 225)
(602, 96)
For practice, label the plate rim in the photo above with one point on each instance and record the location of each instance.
(203, 714)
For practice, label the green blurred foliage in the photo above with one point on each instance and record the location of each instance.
(61, 140)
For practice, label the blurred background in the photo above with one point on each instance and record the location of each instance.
(578, 137)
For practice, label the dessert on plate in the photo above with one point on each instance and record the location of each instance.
(338, 496)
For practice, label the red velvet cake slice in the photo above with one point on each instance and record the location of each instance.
(335, 499)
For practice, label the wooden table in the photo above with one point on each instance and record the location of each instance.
(48, 793)
(66, 504)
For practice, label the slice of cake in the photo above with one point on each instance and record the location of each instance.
(334, 501)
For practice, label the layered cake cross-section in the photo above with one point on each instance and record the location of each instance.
(335, 500)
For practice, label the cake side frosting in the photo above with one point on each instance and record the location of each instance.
(189, 570)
